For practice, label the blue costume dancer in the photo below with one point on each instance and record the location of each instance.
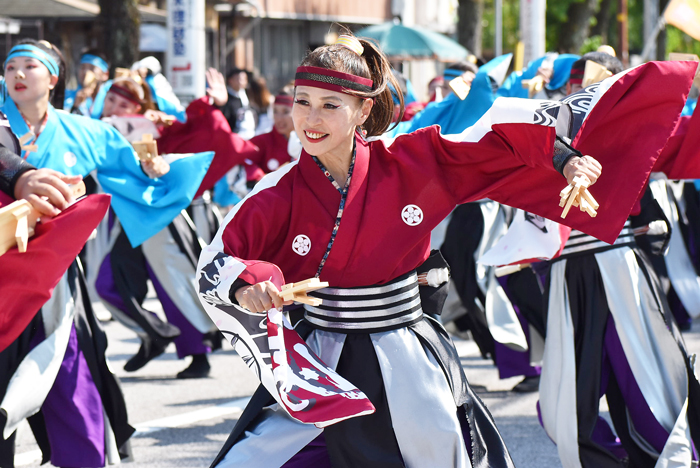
(65, 337)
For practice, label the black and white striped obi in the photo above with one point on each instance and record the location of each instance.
(580, 243)
(368, 310)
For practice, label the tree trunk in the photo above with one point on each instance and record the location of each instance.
(469, 28)
(574, 31)
(120, 23)
(603, 17)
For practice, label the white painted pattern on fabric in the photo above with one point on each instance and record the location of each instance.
(505, 110)
(412, 215)
(70, 159)
(273, 164)
(301, 245)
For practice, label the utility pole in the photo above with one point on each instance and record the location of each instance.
(651, 16)
(622, 32)
(532, 28)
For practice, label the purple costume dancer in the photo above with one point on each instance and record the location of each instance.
(168, 261)
(678, 274)
(61, 357)
(473, 229)
(525, 293)
(610, 332)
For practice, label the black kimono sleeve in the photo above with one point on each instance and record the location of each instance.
(11, 168)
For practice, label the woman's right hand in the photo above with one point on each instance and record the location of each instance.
(260, 297)
(216, 87)
(47, 190)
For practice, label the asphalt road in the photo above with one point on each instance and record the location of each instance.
(183, 423)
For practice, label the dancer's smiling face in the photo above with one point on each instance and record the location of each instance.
(326, 120)
(282, 116)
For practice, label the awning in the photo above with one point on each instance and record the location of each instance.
(154, 38)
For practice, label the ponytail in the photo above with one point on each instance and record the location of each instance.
(384, 84)
(372, 64)
(57, 96)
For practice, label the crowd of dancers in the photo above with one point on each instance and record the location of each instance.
(427, 220)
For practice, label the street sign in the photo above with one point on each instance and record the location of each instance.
(185, 57)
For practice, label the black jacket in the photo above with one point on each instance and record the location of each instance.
(233, 110)
(11, 165)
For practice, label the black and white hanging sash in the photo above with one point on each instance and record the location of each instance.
(370, 309)
(580, 243)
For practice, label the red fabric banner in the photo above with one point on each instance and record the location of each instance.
(680, 158)
(310, 391)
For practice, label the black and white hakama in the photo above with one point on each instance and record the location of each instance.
(609, 331)
(400, 358)
(56, 375)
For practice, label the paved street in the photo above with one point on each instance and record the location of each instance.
(184, 423)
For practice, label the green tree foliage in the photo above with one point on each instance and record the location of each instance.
(604, 27)
(678, 41)
(511, 26)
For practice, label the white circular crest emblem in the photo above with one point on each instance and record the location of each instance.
(70, 159)
(412, 215)
(273, 164)
(301, 245)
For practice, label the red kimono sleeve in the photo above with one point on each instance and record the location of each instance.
(680, 159)
(253, 165)
(246, 239)
(207, 129)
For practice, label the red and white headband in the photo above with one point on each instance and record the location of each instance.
(332, 80)
(284, 100)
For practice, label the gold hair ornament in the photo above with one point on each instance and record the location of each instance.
(350, 42)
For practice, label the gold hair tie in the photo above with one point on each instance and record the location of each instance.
(350, 42)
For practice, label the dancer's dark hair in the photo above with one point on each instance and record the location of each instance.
(372, 64)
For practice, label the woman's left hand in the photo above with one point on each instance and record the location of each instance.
(156, 167)
(585, 166)
(468, 77)
(158, 117)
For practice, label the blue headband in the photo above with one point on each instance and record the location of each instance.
(29, 50)
(452, 73)
(95, 61)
